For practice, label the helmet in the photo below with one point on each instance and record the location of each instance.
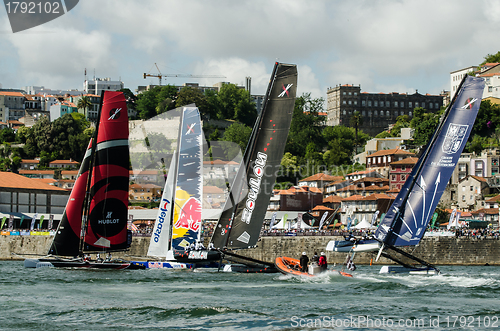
(304, 253)
(323, 253)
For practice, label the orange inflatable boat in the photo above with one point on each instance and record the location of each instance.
(291, 266)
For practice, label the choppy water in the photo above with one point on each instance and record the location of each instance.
(60, 299)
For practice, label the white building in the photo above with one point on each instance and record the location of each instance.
(457, 76)
(97, 85)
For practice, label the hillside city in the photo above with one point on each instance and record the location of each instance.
(360, 149)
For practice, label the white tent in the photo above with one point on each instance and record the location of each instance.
(364, 224)
(284, 225)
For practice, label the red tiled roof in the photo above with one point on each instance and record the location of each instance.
(332, 199)
(69, 172)
(494, 199)
(36, 172)
(11, 94)
(29, 161)
(487, 211)
(353, 198)
(394, 151)
(12, 180)
(408, 161)
(321, 207)
(144, 186)
(63, 162)
(321, 176)
(367, 171)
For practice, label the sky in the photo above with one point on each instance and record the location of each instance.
(384, 46)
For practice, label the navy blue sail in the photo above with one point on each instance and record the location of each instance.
(409, 215)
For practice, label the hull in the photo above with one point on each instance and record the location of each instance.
(347, 246)
(291, 266)
(78, 263)
(412, 271)
(241, 268)
(201, 256)
(165, 265)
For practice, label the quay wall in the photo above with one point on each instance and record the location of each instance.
(435, 250)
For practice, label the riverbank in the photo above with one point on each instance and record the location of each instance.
(435, 250)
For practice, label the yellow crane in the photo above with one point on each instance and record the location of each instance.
(160, 75)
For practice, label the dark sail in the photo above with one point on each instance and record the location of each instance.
(67, 239)
(407, 219)
(241, 221)
(106, 228)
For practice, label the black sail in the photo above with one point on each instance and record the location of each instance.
(241, 221)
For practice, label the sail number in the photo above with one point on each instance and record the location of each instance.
(472, 322)
(15, 7)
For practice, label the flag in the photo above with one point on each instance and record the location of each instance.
(323, 218)
(33, 220)
(11, 222)
(41, 221)
(273, 219)
(21, 222)
(374, 218)
(3, 222)
(51, 221)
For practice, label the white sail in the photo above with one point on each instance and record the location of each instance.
(160, 237)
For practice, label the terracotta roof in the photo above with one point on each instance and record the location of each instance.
(219, 162)
(144, 186)
(364, 188)
(332, 199)
(487, 211)
(30, 161)
(367, 171)
(408, 161)
(49, 181)
(11, 94)
(36, 172)
(371, 179)
(494, 199)
(393, 190)
(12, 180)
(353, 198)
(337, 182)
(299, 189)
(481, 179)
(321, 207)
(63, 162)
(212, 190)
(394, 151)
(321, 176)
(69, 172)
(378, 196)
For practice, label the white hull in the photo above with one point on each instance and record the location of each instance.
(346, 246)
(403, 270)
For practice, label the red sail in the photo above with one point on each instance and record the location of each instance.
(106, 229)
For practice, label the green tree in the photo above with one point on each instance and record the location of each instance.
(425, 125)
(189, 95)
(237, 133)
(306, 126)
(491, 58)
(166, 98)
(22, 134)
(356, 121)
(85, 104)
(7, 135)
(487, 120)
(234, 103)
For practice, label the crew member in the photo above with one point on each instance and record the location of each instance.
(315, 258)
(322, 262)
(304, 260)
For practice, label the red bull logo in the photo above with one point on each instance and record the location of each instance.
(190, 215)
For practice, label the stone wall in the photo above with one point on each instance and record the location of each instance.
(436, 250)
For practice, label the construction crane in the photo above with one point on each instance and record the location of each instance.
(160, 75)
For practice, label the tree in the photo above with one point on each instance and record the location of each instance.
(7, 135)
(234, 103)
(85, 104)
(356, 121)
(424, 124)
(491, 58)
(487, 120)
(189, 95)
(237, 133)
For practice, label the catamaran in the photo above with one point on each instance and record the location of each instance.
(95, 217)
(406, 221)
(241, 221)
(178, 224)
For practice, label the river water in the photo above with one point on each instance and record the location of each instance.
(63, 299)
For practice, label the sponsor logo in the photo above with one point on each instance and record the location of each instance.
(254, 186)
(469, 103)
(244, 237)
(114, 114)
(454, 138)
(190, 209)
(198, 255)
(190, 128)
(109, 219)
(285, 91)
(161, 219)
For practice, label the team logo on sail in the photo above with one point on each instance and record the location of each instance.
(285, 90)
(161, 219)
(469, 103)
(114, 114)
(190, 128)
(454, 138)
(254, 186)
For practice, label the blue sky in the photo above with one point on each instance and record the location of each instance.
(385, 46)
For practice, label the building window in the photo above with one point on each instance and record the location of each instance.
(402, 104)
(350, 102)
(355, 102)
(387, 103)
(387, 113)
(416, 104)
(393, 177)
(410, 113)
(463, 197)
(363, 113)
(344, 102)
(369, 103)
(363, 103)
(403, 177)
(437, 105)
(409, 104)
(395, 104)
(375, 103)
(430, 105)
(423, 104)
(472, 188)
(375, 113)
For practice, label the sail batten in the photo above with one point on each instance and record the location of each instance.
(407, 219)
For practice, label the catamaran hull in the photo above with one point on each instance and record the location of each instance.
(348, 246)
(241, 268)
(201, 256)
(67, 263)
(412, 271)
